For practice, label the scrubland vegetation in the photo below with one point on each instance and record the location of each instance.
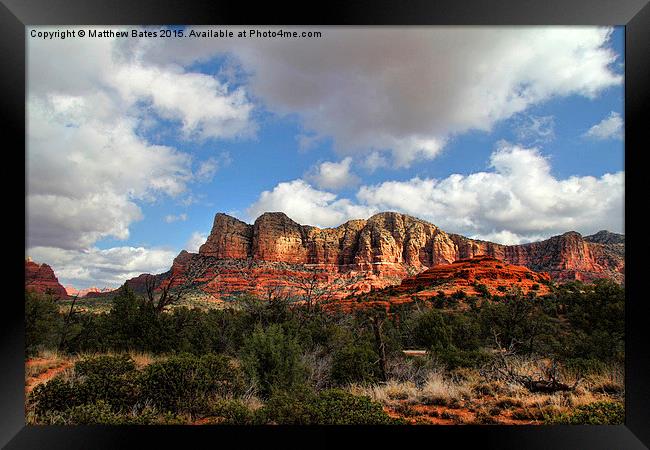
(512, 360)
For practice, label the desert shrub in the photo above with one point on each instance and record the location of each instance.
(465, 331)
(597, 413)
(454, 358)
(337, 407)
(519, 322)
(55, 395)
(101, 413)
(184, 382)
(287, 408)
(482, 289)
(486, 417)
(355, 363)
(329, 407)
(508, 402)
(271, 359)
(42, 322)
(583, 366)
(319, 331)
(110, 379)
(428, 329)
(108, 366)
(459, 295)
(233, 412)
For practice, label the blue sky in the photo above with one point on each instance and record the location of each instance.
(511, 135)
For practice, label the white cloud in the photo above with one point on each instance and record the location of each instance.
(374, 161)
(610, 127)
(196, 240)
(306, 205)
(519, 200)
(204, 106)
(306, 141)
(333, 175)
(534, 130)
(209, 167)
(520, 196)
(407, 91)
(507, 237)
(102, 268)
(170, 218)
(86, 169)
(89, 164)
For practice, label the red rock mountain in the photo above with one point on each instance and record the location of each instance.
(397, 244)
(88, 292)
(363, 254)
(40, 278)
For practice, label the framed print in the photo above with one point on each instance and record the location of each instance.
(383, 222)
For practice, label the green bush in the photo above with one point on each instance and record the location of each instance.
(271, 359)
(42, 322)
(429, 329)
(459, 295)
(287, 408)
(185, 382)
(55, 395)
(598, 413)
(482, 289)
(233, 412)
(454, 358)
(337, 407)
(101, 413)
(105, 366)
(329, 407)
(110, 379)
(355, 363)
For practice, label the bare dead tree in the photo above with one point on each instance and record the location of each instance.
(165, 293)
(66, 323)
(503, 368)
(275, 292)
(314, 289)
(377, 324)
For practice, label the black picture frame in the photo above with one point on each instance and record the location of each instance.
(15, 15)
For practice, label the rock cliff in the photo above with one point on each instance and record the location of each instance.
(399, 245)
(276, 253)
(41, 278)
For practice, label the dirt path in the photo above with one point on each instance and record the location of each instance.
(47, 375)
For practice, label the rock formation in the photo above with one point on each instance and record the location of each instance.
(479, 276)
(470, 275)
(87, 292)
(397, 244)
(41, 278)
(359, 255)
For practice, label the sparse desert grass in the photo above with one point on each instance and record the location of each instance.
(464, 396)
(440, 391)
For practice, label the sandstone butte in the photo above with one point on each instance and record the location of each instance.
(474, 276)
(277, 254)
(41, 278)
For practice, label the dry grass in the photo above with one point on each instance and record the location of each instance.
(439, 391)
(464, 396)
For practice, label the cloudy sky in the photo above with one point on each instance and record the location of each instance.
(507, 134)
